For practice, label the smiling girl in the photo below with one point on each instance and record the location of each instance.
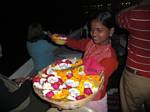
(98, 50)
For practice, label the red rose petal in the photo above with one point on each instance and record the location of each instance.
(55, 85)
(69, 75)
(58, 62)
(60, 81)
(80, 97)
(68, 62)
(49, 75)
(88, 91)
(36, 79)
(49, 94)
(68, 87)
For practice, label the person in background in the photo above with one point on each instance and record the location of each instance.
(97, 50)
(135, 81)
(19, 97)
(12, 97)
(39, 47)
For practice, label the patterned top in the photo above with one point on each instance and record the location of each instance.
(104, 56)
(137, 21)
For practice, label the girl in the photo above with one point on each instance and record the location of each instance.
(97, 50)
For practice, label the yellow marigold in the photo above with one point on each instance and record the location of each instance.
(78, 72)
(61, 73)
(96, 78)
(74, 78)
(61, 95)
(81, 86)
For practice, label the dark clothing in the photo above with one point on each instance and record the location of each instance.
(10, 100)
(36, 104)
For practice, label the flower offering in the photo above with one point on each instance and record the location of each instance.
(65, 80)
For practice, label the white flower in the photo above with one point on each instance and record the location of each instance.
(64, 66)
(95, 89)
(52, 79)
(47, 86)
(45, 91)
(44, 75)
(81, 73)
(72, 83)
(73, 60)
(71, 98)
(42, 80)
(38, 85)
(51, 71)
(74, 92)
(76, 84)
(87, 85)
(56, 91)
(62, 86)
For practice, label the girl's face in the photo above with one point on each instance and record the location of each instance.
(100, 33)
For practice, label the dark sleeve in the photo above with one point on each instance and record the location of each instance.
(10, 100)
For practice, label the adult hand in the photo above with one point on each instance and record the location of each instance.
(19, 81)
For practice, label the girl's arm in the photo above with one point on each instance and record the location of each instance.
(77, 44)
(110, 65)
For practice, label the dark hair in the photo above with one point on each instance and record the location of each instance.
(35, 32)
(106, 18)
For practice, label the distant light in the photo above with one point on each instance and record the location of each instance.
(122, 3)
(109, 4)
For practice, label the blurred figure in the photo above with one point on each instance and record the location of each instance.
(135, 81)
(39, 48)
(13, 97)
(19, 97)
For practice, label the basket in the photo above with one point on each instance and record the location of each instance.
(68, 104)
(65, 104)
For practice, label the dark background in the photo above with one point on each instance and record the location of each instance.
(57, 16)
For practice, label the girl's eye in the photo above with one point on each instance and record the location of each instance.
(96, 30)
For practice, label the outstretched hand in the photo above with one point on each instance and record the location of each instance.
(58, 39)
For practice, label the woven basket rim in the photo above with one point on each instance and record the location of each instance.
(65, 104)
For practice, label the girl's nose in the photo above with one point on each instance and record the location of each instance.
(94, 33)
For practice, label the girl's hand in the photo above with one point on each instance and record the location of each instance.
(59, 39)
